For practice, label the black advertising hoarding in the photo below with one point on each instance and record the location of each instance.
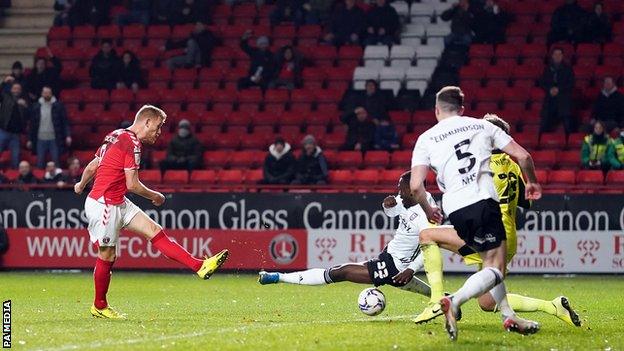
(257, 211)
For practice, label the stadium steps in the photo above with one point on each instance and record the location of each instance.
(23, 30)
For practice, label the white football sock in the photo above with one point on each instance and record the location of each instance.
(417, 286)
(499, 294)
(314, 276)
(477, 284)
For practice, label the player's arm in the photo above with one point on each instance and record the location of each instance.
(522, 200)
(417, 186)
(392, 205)
(533, 191)
(135, 186)
(87, 175)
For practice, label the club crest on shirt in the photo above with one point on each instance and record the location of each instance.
(413, 216)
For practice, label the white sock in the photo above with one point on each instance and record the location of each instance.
(314, 276)
(499, 294)
(477, 284)
(417, 286)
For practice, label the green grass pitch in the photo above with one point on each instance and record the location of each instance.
(233, 312)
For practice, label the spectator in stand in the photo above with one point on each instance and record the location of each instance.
(311, 165)
(558, 82)
(198, 48)
(609, 106)
(361, 132)
(94, 12)
(73, 174)
(184, 151)
(594, 149)
(382, 24)
(615, 152)
(47, 72)
(287, 72)
(386, 136)
(53, 175)
(261, 68)
(372, 100)
(347, 25)
(288, 11)
(138, 12)
(319, 10)
(25, 175)
(13, 118)
(189, 11)
(49, 128)
(598, 29)
(129, 72)
(17, 76)
(62, 7)
(279, 164)
(461, 23)
(161, 11)
(567, 23)
(104, 66)
(489, 23)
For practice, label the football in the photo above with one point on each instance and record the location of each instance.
(372, 301)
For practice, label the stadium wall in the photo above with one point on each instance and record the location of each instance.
(560, 234)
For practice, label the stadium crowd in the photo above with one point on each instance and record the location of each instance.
(33, 116)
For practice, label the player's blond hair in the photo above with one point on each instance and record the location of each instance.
(150, 111)
(497, 121)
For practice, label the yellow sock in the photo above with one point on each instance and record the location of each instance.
(521, 303)
(433, 268)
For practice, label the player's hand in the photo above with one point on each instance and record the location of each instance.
(389, 202)
(404, 277)
(532, 191)
(79, 188)
(158, 199)
(434, 214)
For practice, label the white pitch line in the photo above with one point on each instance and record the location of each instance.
(272, 325)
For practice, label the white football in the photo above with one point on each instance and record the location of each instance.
(372, 301)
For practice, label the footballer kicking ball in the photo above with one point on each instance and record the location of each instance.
(372, 301)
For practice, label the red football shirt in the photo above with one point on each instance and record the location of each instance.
(121, 151)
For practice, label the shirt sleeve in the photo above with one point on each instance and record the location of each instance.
(132, 155)
(396, 210)
(420, 156)
(500, 139)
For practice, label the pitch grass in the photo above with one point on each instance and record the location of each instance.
(233, 312)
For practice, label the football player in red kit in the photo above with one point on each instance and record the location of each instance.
(116, 171)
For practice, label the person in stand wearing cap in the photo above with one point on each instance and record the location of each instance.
(16, 76)
(312, 165)
(279, 164)
(184, 150)
(261, 68)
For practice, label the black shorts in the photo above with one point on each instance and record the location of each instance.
(382, 269)
(480, 225)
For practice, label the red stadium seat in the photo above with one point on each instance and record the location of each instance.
(293, 118)
(108, 32)
(376, 159)
(366, 177)
(506, 51)
(615, 178)
(561, 177)
(400, 117)
(217, 159)
(253, 176)
(175, 177)
(254, 141)
(555, 141)
(569, 159)
(227, 141)
(350, 159)
(234, 176)
(341, 177)
(401, 159)
(591, 178)
(264, 119)
(213, 118)
(481, 51)
(182, 31)
(121, 95)
(545, 159)
(542, 176)
(59, 33)
(149, 176)
(207, 176)
(471, 72)
(390, 177)
(246, 159)
(334, 141)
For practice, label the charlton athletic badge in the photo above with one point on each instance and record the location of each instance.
(283, 248)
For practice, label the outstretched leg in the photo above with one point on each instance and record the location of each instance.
(352, 272)
(144, 225)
